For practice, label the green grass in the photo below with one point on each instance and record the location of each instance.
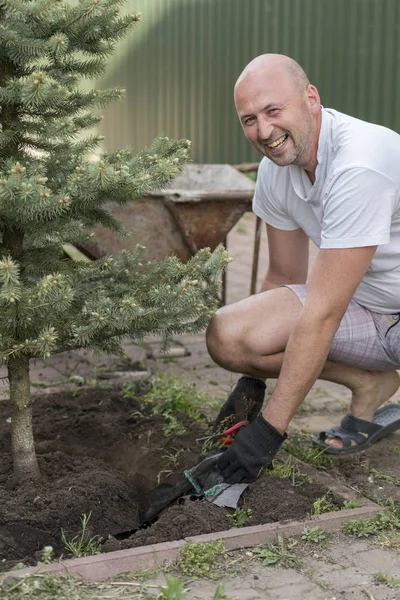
(289, 469)
(82, 544)
(390, 582)
(64, 587)
(46, 587)
(171, 397)
(299, 445)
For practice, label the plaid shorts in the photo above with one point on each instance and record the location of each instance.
(364, 339)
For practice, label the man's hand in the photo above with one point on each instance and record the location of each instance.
(254, 447)
(243, 404)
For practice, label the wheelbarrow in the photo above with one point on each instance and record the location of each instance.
(197, 211)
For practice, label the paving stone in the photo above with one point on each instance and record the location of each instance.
(377, 560)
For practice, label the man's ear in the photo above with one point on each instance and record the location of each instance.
(313, 99)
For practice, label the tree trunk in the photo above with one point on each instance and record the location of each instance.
(24, 457)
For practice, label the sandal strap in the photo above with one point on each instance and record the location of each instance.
(344, 434)
(351, 429)
(352, 423)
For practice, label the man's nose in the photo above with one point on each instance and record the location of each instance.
(265, 128)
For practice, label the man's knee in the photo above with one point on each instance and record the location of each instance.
(222, 338)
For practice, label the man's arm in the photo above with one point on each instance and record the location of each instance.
(334, 279)
(288, 257)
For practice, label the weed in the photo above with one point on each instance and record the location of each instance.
(201, 560)
(379, 476)
(278, 554)
(49, 587)
(140, 574)
(394, 450)
(314, 534)
(173, 394)
(174, 590)
(388, 541)
(391, 505)
(386, 520)
(47, 555)
(45, 587)
(323, 505)
(360, 527)
(161, 473)
(287, 470)
(170, 397)
(349, 504)
(310, 574)
(145, 436)
(299, 446)
(320, 390)
(390, 582)
(241, 228)
(219, 593)
(304, 408)
(82, 544)
(240, 517)
(174, 458)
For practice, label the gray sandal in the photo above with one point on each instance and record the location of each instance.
(386, 420)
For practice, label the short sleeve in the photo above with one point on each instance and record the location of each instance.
(357, 210)
(270, 206)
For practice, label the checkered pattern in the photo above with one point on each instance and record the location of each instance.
(365, 339)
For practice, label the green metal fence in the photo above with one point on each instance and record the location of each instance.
(180, 64)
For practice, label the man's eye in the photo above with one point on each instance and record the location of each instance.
(249, 121)
(273, 111)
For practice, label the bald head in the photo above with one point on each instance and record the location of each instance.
(273, 65)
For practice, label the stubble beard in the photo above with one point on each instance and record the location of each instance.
(289, 157)
(296, 156)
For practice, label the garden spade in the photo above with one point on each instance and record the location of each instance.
(197, 480)
(204, 479)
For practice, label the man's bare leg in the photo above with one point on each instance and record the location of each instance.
(250, 336)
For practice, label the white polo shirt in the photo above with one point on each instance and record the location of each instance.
(354, 202)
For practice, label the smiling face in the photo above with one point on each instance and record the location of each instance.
(279, 112)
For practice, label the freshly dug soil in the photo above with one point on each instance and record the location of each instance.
(101, 454)
(270, 499)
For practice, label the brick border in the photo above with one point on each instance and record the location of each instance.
(106, 565)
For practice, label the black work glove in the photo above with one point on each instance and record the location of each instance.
(243, 404)
(254, 447)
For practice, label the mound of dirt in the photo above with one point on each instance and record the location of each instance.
(100, 454)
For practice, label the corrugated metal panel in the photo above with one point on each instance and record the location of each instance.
(180, 65)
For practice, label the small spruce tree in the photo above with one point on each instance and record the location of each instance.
(51, 194)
